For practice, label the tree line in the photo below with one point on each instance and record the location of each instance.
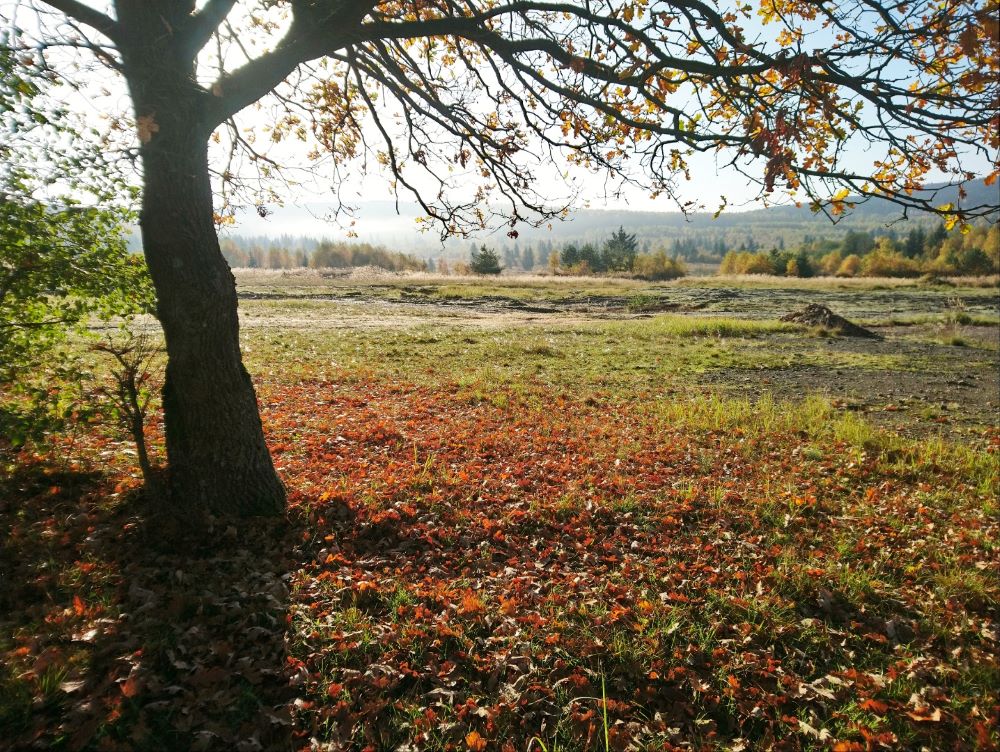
(619, 254)
(974, 251)
(322, 254)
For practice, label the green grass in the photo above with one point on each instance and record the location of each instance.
(644, 352)
(766, 483)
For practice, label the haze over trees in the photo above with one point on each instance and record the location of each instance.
(474, 96)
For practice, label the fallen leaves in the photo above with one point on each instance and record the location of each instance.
(458, 573)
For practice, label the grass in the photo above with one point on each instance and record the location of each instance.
(551, 533)
(648, 352)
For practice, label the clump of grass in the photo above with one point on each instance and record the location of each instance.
(818, 420)
(676, 325)
(544, 349)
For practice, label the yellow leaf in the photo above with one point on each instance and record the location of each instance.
(841, 194)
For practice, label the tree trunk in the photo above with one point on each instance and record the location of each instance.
(216, 455)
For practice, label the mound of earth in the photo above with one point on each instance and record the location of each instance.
(819, 315)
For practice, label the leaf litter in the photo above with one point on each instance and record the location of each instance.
(473, 572)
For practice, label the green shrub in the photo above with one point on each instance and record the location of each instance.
(658, 266)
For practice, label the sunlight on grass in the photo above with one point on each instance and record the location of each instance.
(600, 517)
(709, 326)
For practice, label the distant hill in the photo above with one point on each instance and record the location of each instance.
(379, 222)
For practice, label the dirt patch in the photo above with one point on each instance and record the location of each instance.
(815, 314)
(958, 401)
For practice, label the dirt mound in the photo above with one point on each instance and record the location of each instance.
(819, 315)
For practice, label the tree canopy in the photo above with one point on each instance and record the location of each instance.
(460, 101)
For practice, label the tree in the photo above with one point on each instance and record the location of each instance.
(620, 251)
(916, 239)
(569, 256)
(485, 92)
(61, 261)
(856, 243)
(485, 261)
(528, 259)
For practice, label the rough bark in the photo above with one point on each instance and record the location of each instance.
(216, 453)
(215, 443)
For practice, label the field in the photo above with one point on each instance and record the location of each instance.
(541, 514)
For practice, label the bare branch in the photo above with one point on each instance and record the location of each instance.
(89, 16)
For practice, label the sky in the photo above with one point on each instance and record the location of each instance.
(709, 183)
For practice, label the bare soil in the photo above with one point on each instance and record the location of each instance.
(950, 389)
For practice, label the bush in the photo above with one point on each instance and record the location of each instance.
(745, 262)
(658, 266)
(884, 263)
(758, 263)
(830, 263)
(850, 266)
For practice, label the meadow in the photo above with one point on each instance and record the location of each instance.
(541, 514)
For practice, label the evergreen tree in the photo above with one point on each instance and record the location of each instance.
(620, 251)
(485, 261)
(569, 256)
(937, 238)
(856, 243)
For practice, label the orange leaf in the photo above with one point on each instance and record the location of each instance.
(130, 687)
(475, 741)
(874, 706)
(78, 606)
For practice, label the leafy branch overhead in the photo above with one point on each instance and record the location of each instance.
(826, 101)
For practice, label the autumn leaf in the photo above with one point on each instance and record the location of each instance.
(131, 686)
(147, 127)
(848, 747)
(475, 742)
(874, 706)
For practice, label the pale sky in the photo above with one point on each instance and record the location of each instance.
(106, 94)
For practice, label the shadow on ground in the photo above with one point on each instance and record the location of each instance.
(120, 631)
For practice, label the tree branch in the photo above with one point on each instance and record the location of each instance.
(244, 86)
(203, 24)
(88, 16)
